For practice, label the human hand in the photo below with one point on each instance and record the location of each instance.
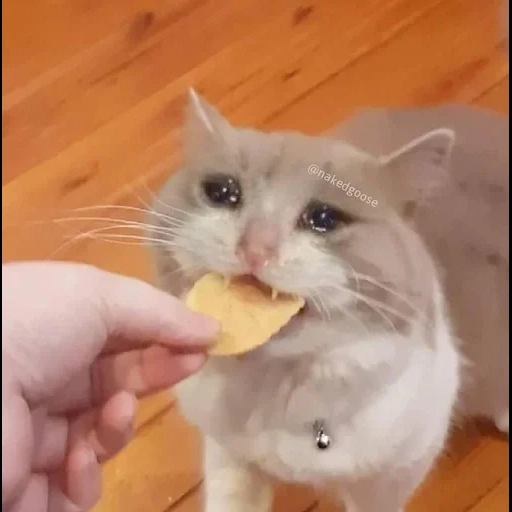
(78, 345)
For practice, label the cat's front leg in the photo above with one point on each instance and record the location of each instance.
(385, 492)
(232, 486)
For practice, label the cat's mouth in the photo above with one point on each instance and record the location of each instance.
(297, 321)
(271, 291)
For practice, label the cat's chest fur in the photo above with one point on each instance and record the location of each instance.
(264, 411)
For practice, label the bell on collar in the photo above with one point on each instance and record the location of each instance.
(323, 440)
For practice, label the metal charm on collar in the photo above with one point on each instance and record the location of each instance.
(323, 440)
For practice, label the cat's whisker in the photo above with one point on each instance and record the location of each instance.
(60, 248)
(198, 245)
(75, 237)
(121, 224)
(323, 305)
(355, 274)
(391, 291)
(167, 206)
(375, 306)
(372, 303)
(382, 315)
(167, 275)
(379, 307)
(168, 220)
(346, 312)
(110, 230)
(165, 218)
(143, 240)
(143, 202)
(106, 232)
(352, 316)
(379, 284)
(120, 242)
(111, 207)
(407, 318)
(152, 211)
(118, 223)
(316, 305)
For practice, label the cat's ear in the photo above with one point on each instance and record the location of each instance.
(205, 126)
(413, 171)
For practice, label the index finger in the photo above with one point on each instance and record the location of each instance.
(140, 372)
(136, 313)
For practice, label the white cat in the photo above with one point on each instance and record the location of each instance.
(355, 394)
(465, 225)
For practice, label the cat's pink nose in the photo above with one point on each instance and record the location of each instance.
(258, 244)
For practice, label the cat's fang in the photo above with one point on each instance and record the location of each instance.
(227, 281)
(275, 293)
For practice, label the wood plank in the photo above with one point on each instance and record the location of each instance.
(77, 184)
(106, 83)
(451, 472)
(55, 31)
(56, 238)
(401, 73)
(52, 183)
(117, 144)
(496, 97)
(152, 406)
(461, 468)
(155, 470)
(93, 92)
(475, 476)
(288, 499)
(293, 498)
(494, 501)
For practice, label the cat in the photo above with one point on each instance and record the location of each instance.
(357, 393)
(465, 225)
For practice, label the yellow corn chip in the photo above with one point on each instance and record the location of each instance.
(249, 313)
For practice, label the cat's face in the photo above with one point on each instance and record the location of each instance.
(305, 215)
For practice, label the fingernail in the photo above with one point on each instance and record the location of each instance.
(85, 457)
(188, 365)
(209, 326)
(203, 327)
(84, 477)
(127, 407)
(193, 362)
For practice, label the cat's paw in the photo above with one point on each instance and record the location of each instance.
(238, 506)
(502, 421)
(236, 500)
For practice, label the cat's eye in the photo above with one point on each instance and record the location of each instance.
(322, 218)
(223, 190)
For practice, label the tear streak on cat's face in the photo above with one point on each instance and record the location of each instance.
(246, 204)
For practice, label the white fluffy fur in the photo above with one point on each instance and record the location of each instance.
(386, 390)
(387, 403)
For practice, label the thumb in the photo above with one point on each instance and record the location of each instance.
(60, 316)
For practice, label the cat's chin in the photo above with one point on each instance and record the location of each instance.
(284, 342)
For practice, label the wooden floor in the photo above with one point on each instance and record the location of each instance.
(92, 97)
